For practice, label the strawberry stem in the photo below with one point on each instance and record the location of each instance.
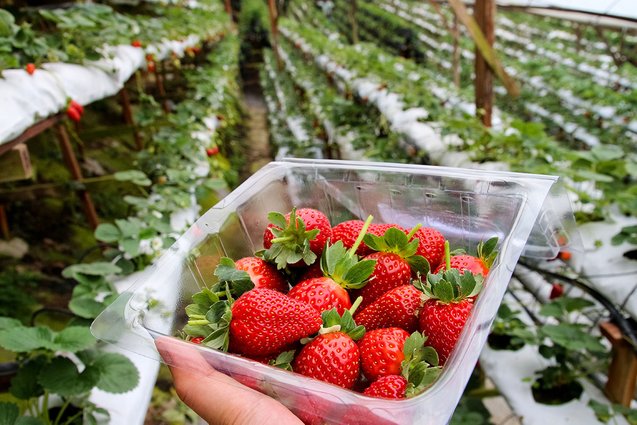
(282, 239)
(198, 322)
(354, 306)
(413, 231)
(447, 256)
(360, 237)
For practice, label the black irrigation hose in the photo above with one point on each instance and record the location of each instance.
(617, 317)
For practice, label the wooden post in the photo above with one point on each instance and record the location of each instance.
(76, 172)
(4, 223)
(274, 30)
(353, 9)
(622, 373)
(128, 118)
(229, 8)
(483, 46)
(484, 13)
(456, 52)
(159, 80)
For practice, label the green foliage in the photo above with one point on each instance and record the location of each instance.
(15, 293)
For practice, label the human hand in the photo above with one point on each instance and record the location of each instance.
(217, 398)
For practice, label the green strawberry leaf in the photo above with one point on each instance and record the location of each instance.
(284, 360)
(238, 281)
(24, 339)
(107, 232)
(9, 413)
(8, 322)
(29, 420)
(62, 377)
(25, 384)
(117, 374)
(356, 277)
(277, 219)
(443, 290)
(73, 339)
(419, 264)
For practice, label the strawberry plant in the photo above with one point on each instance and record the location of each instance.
(64, 365)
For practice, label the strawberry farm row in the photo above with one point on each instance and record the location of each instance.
(191, 158)
(568, 103)
(87, 53)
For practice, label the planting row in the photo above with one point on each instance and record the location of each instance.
(86, 53)
(191, 158)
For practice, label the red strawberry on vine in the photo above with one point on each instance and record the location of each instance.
(136, 43)
(398, 308)
(341, 270)
(333, 355)
(297, 238)
(557, 290)
(30, 68)
(396, 259)
(260, 322)
(418, 370)
(445, 313)
(212, 151)
(262, 273)
(480, 264)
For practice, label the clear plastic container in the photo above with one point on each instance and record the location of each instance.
(467, 206)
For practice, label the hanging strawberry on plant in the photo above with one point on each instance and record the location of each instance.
(30, 68)
(74, 110)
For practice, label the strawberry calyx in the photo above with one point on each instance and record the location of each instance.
(343, 266)
(333, 322)
(420, 367)
(450, 286)
(397, 242)
(210, 313)
(291, 242)
(487, 252)
(283, 360)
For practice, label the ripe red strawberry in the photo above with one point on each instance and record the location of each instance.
(197, 340)
(396, 308)
(476, 265)
(265, 321)
(30, 68)
(322, 293)
(431, 245)
(390, 386)
(395, 261)
(417, 369)
(76, 105)
(136, 43)
(262, 273)
(212, 151)
(564, 255)
(334, 356)
(382, 352)
(341, 270)
(150, 66)
(297, 238)
(445, 313)
(557, 290)
(347, 232)
(73, 114)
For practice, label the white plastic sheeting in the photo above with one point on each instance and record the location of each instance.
(623, 8)
(26, 99)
